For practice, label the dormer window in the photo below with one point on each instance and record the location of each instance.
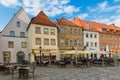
(104, 30)
(89, 26)
(18, 24)
(111, 31)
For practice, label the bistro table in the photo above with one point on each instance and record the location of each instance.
(45, 63)
(62, 63)
(23, 71)
(79, 64)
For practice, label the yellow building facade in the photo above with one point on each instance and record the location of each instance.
(42, 38)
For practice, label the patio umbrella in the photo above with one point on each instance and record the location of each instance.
(107, 49)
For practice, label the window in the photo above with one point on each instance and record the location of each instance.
(52, 31)
(53, 42)
(38, 30)
(10, 44)
(6, 56)
(75, 32)
(115, 46)
(18, 24)
(80, 32)
(66, 29)
(104, 30)
(110, 37)
(102, 45)
(61, 30)
(80, 43)
(71, 31)
(91, 44)
(111, 46)
(61, 42)
(46, 41)
(75, 42)
(46, 31)
(89, 26)
(12, 33)
(86, 35)
(22, 34)
(38, 41)
(95, 44)
(23, 44)
(71, 43)
(106, 37)
(91, 35)
(95, 35)
(102, 37)
(87, 44)
(115, 37)
(67, 42)
(111, 31)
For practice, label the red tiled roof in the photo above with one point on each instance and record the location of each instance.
(42, 19)
(66, 22)
(84, 24)
(94, 25)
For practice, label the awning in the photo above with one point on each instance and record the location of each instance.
(79, 52)
(83, 52)
(69, 52)
(52, 52)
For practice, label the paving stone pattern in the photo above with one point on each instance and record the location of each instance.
(57, 73)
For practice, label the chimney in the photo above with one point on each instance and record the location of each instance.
(113, 25)
(74, 18)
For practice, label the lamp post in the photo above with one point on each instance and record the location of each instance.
(40, 54)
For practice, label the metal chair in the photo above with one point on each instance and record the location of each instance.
(32, 71)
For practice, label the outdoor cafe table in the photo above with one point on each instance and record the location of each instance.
(62, 63)
(23, 71)
(79, 64)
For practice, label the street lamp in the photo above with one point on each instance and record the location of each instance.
(40, 54)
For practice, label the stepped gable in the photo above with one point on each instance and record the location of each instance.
(66, 22)
(42, 19)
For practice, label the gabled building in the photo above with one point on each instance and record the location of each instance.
(69, 35)
(90, 36)
(13, 39)
(109, 36)
(42, 38)
(100, 37)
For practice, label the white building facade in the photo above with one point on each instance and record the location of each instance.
(13, 39)
(91, 41)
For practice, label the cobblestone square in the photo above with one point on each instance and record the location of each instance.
(71, 73)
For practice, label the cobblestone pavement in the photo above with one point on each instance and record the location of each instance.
(57, 73)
